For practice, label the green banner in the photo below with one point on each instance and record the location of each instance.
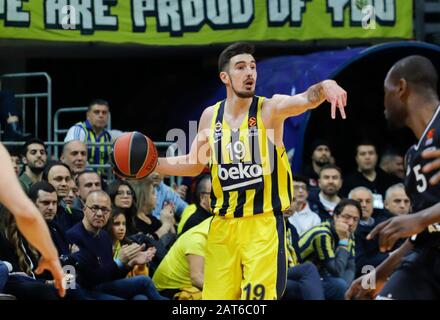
(199, 22)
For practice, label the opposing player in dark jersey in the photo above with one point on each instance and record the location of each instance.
(411, 99)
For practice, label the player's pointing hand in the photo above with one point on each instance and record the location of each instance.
(337, 96)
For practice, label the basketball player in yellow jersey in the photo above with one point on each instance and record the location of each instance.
(240, 138)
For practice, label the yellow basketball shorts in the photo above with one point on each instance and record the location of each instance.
(246, 258)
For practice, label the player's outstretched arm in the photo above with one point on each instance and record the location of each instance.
(191, 164)
(362, 288)
(404, 226)
(327, 90)
(28, 218)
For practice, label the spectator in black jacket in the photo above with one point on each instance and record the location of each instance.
(321, 156)
(392, 162)
(367, 251)
(58, 174)
(324, 201)
(369, 175)
(96, 266)
(396, 200)
(44, 195)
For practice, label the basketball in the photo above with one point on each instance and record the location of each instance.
(134, 156)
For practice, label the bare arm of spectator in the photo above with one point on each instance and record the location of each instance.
(196, 269)
(176, 200)
(29, 220)
(362, 287)
(180, 190)
(167, 219)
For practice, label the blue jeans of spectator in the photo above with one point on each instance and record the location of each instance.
(136, 288)
(4, 273)
(27, 288)
(334, 288)
(303, 283)
(95, 295)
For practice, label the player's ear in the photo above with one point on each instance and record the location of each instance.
(403, 87)
(224, 77)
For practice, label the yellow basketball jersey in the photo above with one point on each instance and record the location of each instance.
(250, 175)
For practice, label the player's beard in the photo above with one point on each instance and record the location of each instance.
(242, 94)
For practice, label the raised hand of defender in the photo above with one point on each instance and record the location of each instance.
(337, 96)
(396, 228)
(361, 288)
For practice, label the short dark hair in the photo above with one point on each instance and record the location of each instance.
(366, 142)
(113, 187)
(417, 70)
(98, 101)
(40, 185)
(300, 178)
(200, 185)
(52, 164)
(231, 51)
(330, 166)
(347, 202)
(29, 142)
(87, 170)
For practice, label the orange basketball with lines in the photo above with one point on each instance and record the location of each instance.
(134, 156)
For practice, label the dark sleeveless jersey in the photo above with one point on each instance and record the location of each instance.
(422, 194)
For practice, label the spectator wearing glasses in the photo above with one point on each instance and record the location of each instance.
(330, 246)
(97, 268)
(203, 203)
(124, 198)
